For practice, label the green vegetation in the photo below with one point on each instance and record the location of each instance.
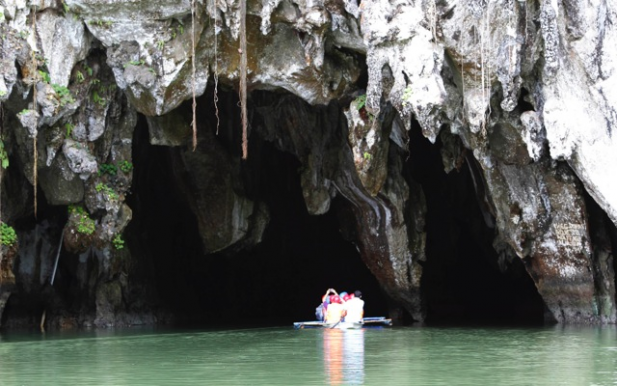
(2, 93)
(126, 166)
(103, 23)
(80, 77)
(65, 7)
(118, 242)
(69, 129)
(110, 169)
(45, 76)
(360, 101)
(96, 98)
(85, 225)
(4, 156)
(8, 236)
(64, 94)
(361, 106)
(177, 30)
(407, 96)
(104, 188)
(24, 111)
(88, 69)
(139, 62)
(367, 156)
(160, 44)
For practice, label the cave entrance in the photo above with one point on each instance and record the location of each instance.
(279, 281)
(462, 280)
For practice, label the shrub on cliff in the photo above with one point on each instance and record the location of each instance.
(8, 236)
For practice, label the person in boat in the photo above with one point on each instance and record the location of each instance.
(354, 308)
(320, 311)
(335, 311)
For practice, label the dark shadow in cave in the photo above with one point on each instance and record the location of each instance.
(279, 281)
(462, 282)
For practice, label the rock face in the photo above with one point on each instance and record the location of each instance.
(521, 93)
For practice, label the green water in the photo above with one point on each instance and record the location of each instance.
(283, 356)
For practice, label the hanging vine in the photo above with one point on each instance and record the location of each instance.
(243, 70)
(34, 107)
(194, 124)
(216, 70)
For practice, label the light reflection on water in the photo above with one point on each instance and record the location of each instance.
(283, 356)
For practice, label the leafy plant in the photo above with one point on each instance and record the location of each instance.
(111, 194)
(360, 102)
(45, 76)
(65, 7)
(367, 156)
(2, 93)
(24, 111)
(103, 23)
(4, 156)
(96, 98)
(139, 62)
(69, 129)
(8, 236)
(110, 169)
(407, 95)
(160, 44)
(64, 94)
(126, 166)
(88, 69)
(80, 76)
(118, 242)
(83, 222)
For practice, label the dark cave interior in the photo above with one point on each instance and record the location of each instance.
(282, 279)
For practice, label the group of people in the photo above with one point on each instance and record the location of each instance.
(335, 308)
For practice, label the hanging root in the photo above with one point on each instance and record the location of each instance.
(35, 108)
(216, 72)
(194, 124)
(243, 70)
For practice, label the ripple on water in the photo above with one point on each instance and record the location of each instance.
(283, 356)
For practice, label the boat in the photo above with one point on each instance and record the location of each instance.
(376, 321)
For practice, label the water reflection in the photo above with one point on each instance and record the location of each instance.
(343, 355)
(312, 357)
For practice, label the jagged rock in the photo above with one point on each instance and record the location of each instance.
(79, 158)
(60, 184)
(368, 138)
(61, 34)
(7, 277)
(169, 130)
(225, 215)
(522, 93)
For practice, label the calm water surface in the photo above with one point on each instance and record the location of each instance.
(283, 356)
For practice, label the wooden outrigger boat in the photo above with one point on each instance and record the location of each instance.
(377, 321)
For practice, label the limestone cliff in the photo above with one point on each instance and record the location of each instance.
(520, 94)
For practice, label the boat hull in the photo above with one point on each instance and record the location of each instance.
(378, 321)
